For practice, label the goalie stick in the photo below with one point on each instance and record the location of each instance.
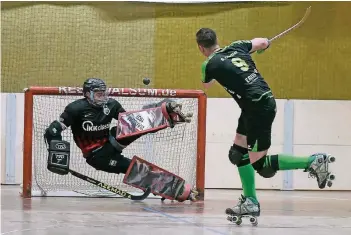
(111, 188)
(298, 24)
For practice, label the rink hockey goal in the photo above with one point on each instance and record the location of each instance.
(180, 150)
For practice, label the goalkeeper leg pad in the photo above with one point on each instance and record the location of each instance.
(59, 156)
(136, 123)
(142, 174)
(173, 109)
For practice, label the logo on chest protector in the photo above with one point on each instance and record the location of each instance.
(89, 126)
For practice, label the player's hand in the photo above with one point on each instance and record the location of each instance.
(262, 50)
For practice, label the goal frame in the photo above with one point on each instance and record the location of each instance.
(114, 92)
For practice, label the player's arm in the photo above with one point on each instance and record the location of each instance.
(59, 150)
(209, 84)
(117, 108)
(252, 45)
(118, 113)
(53, 132)
(259, 44)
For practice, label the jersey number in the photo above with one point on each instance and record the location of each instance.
(240, 63)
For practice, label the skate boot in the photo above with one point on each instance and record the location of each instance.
(246, 207)
(319, 169)
(187, 193)
(176, 115)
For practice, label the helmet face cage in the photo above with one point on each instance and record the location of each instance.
(98, 97)
(98, 94)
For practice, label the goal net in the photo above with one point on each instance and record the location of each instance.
(179, 150)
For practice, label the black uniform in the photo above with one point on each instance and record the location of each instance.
(90, 127)
(234, 69)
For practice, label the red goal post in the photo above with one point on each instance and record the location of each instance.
(31, 150)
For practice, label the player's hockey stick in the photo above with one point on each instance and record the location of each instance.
(111, 188)
(298, 24)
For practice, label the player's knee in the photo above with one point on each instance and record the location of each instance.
(236, 154)
(267, 172)
(123, 165)
(108, 159)
(264, 170)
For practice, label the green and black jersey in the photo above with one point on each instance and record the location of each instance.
(234, 69)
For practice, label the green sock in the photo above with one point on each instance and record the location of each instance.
(247, 176)
(289, 162)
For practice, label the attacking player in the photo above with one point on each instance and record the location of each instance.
(102, 147)
(233, 68)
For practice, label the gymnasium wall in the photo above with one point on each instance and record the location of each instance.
(64, 43)
(61, 44)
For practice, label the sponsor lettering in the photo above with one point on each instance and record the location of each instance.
(125, 91)
(113, 189)
(134, 122)
(91, 180)
(70, 90)
(229, 56)
(89, 126)
(60, 159)
(60, 146)
(251, 78)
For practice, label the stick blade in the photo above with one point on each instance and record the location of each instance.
(298, 24)
(143, 196)
(307, 13)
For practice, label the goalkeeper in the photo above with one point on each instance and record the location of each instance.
(234, 69)
(90, 118)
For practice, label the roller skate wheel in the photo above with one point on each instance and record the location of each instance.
(332, 177)
(331, 159)
(253, 221)
(238, 221)
(189, 115)
(329, 184)
(235, 219)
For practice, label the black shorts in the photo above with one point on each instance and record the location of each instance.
(108, 159)
(255, 122)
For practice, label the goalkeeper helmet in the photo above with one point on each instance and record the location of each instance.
(94, 89)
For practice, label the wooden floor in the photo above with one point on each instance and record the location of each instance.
(283, 213)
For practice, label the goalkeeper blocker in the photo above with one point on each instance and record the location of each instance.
(140, 173)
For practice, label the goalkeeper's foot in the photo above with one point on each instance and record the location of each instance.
(174, 110)
(188, 193)
(194, 195)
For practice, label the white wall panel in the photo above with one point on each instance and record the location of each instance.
(318, 126)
